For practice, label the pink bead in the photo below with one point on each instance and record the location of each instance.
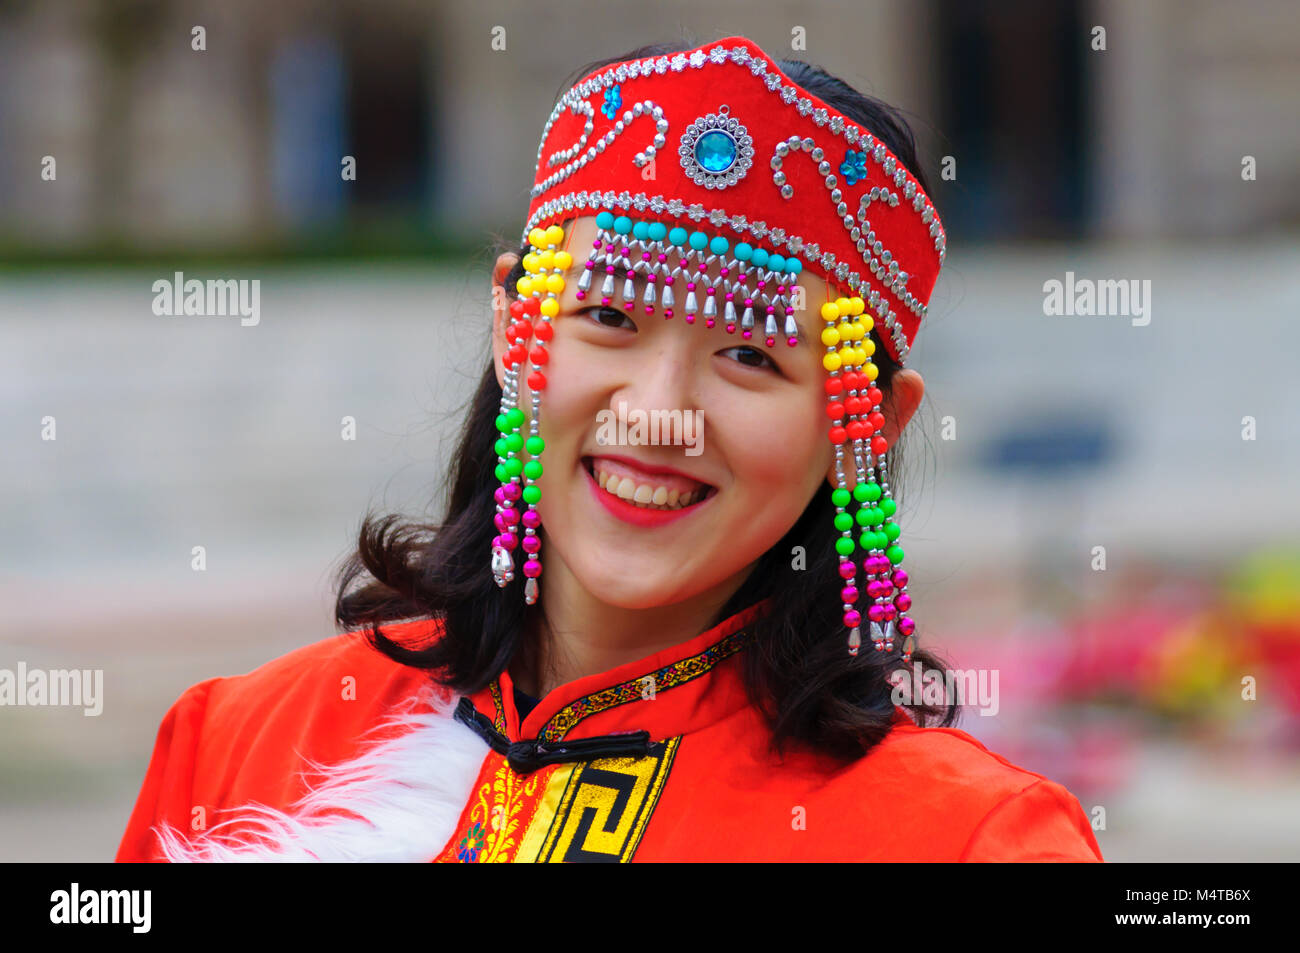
(747, 334)
(499, 494)
(532, 519)
(690, 319)
(888, 611)
(532, 569)
(849, 594)
(708, 323)
(510, 516)
(505, 541)
(904, 601)
(906, 625)
(873, 589)
(852, 618)
(731, 329)
(900, 578)
(847, 569)
(876, 613)
(582, 295)
(668, 313)
(690, 286)
(792, 341)
(532, 544)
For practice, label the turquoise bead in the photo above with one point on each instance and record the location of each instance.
(641, 231)
(760, 257)
(605, 220)
(699, 241)
(719, 245)
(776, 263)
(657, 231)
(794, 265)
(743, 251)
(677, 236)
(622, 225)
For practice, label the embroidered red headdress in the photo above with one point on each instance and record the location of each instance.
(733, 143)
(778, 178)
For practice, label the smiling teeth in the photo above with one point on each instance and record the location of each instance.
(642, 494)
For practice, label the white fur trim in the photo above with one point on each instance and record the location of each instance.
(405, 796)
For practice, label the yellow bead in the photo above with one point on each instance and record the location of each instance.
(846, 355)
(830, 312)
(830, 337)
(554, 235)
(537, 237)
(872, 371)
(856, 306)
(831, 361)
(525, 287)
(842, 305)
(563, 260)
(868, 347)
(554, 284)
(868, 322)
(550, 307)
(546, 260)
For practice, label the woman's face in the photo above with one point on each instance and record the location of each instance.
(760, 447)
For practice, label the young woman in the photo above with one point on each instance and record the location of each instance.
(706, 668)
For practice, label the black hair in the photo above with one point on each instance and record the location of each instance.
(796, 667)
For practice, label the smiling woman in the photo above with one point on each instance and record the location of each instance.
(699, 673)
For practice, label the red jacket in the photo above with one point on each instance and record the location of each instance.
(396, 777)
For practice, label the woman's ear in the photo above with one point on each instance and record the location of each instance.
(501, 311)
(901, 401)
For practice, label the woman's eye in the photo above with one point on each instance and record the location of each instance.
(747, 354)
(600, 312)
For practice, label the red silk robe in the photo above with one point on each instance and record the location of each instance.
(334, 752)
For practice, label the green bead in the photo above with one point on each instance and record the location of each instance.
(844, 546)
(877, 515)
(500, 447)
(536, 445)
(888, 507)
(873, 491)
(514, 442)
(843, 521)
(895, 554)
(503, 423)
(514, 466)
(861, 516)
(892, 531)
(515, 416)
(860, 493)
(532, 494)
(502, 476)
(879, 540)
(532, 469)
(867, 541)
(840, 497)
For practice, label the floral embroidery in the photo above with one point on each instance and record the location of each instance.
(499, 805)
(471, 844)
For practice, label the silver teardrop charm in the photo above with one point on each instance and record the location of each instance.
(747, 319)
(584, 280)
(607, 286)
(710, 306)
(668, 297)
(729, 313)
(648, 298)
(769, 327)
(691, 305)
(530, 590)
(629, 290)
(855, 640)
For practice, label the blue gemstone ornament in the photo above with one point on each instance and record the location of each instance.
(716, 150)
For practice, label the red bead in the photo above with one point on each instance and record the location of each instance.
(538, 355)
(876, 420)
(516, 308)
(533, 306)
(537, 380)
(834, 386)
(879, 445)
(517, 353)
(512, 334)
(875, 395)
(838, 435)
(853, 405)
(835, 410)
(855, 429)
(525, 330)
(544, 331)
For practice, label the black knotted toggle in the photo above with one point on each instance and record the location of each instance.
(525, 757)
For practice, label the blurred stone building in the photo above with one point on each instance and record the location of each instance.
(159, 144)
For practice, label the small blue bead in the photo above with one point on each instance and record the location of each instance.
(794, 265)
(641, 231)
(719, 245)
(657, 231)
(677, 236)
(622, 225)
(760, 257)
(699, 241)
(605, 220)
(744, 250)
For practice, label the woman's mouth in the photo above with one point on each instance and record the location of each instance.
(644, 498)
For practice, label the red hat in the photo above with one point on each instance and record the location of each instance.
(752, 152)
